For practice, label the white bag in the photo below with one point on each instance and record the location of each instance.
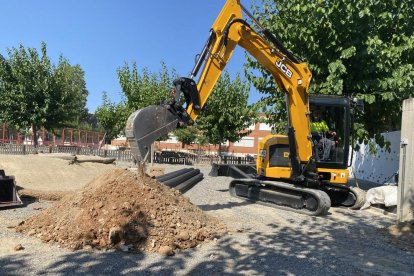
(386, 195)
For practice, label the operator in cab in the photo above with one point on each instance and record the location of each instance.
(323, 138)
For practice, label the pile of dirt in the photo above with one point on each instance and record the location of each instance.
(125, 210)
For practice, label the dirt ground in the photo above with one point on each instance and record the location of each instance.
(260, 241)
(51, 172)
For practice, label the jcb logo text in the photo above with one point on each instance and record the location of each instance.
(284, 68)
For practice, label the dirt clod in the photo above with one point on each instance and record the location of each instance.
(166, 250)
(115, 235)
(18, 247)
(124, 208)
(184, 235)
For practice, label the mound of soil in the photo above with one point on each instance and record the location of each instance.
(126, 210)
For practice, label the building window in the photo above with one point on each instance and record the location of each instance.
(264, 126)
(247, 142)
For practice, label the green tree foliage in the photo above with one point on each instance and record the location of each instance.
(111, 117)
(140, 89)
(202, 139)
(186, 135)
(227, 113)
(147, 88)
(357, 48)
(34, 92)
(69, 101)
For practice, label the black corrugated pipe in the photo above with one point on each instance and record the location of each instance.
(188, 184)
(170, 175)
(181, 178)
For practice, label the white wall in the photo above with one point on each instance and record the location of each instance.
(263, 126)
(247, 142)
(380, 167)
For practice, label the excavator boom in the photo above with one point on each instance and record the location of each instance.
(229, 30)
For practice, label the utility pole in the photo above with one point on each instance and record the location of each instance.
(405, 205)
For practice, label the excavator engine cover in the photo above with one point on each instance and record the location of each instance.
(146, 125)
(8, 194)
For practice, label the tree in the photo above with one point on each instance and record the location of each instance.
(36, 93)
(186, 135)
(147, 88)
(111, 117)
(355, 48)
(140, 90)
(143, 89)
(69, 100)
(227, 114)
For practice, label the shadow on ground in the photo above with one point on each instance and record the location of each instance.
(327, 246)
(265, 241)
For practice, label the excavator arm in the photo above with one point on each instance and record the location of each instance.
(229, 30)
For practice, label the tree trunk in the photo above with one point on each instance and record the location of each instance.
(34, 128)
(219, 153)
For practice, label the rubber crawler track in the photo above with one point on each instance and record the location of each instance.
(323, 200)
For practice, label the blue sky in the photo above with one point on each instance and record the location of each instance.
(102, 35)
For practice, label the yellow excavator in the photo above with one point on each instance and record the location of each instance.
(297, 171)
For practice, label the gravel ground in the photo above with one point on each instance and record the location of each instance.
(261, 241)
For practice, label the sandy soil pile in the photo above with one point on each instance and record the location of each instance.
(122, 209)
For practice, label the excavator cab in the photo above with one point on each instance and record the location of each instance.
(332, 139)
(331, 124)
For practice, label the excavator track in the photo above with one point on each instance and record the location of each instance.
(282, 195)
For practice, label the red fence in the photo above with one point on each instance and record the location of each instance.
(64, 136)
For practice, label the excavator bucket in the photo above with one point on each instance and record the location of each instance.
(146, 125)
(8, 194)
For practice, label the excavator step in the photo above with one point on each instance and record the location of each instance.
(282, 195)
(8, 193)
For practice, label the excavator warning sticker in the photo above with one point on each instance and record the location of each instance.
(262, 153)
